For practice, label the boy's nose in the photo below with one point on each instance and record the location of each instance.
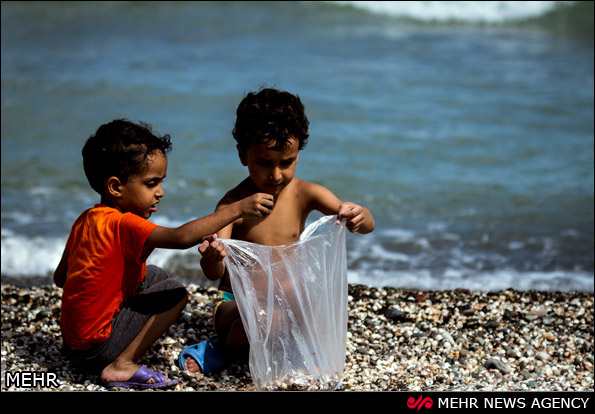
(276, 174)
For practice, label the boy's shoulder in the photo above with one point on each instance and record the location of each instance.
(102, 215)
(240, 191)
(300, 191)
(308, 187)
(246, 189)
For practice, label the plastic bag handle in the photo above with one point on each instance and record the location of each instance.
(314, 226)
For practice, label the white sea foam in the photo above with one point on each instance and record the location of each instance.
(424, 279)
(30, 256)
(460, 11)
(38, 256)
(379, 253)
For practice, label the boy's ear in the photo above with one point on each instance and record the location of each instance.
(242, 155)
(113, 186)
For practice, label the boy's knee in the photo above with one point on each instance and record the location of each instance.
(155, 274)
(163, 296)
(181, 292)
(184, 299)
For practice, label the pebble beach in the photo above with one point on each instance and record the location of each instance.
(397, 340)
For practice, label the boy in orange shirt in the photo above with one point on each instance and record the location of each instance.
(271, 128)
(114, 307)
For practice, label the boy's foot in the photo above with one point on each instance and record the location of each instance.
(191, 365)
(118, 372)
(203, 357)
(143, 377)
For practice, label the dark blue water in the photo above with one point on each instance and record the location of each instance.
(467, 131)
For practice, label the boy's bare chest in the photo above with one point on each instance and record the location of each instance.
(283, 226)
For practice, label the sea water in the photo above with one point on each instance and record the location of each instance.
(467, 129)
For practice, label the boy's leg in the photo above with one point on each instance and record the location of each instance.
(141, 322)
(232, 340)
(125, 365)
(229, 327)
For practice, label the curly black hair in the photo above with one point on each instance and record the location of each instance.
(270, 116)
(120, 148)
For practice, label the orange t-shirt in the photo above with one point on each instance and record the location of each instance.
(104, 269)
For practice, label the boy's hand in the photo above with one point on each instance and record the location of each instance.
(258, 205)
(354, 214)
(211, 250)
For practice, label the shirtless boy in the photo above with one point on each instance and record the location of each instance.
(271, 128)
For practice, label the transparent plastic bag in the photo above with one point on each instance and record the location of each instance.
(293, 304)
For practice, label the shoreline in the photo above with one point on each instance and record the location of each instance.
(397, 340)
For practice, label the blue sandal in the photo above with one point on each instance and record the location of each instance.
(206, 354)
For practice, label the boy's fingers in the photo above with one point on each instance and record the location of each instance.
(268, 202)
(210, 238)
(348, 212)
(203, 246)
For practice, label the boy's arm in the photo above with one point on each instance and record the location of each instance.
(211, 262)
(60, 272)
(212, 254)
(359, 219)
(191, 233)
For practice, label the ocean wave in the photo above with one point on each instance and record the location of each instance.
(30, 256)
(450, 279)
(369, 263)
(459, 11)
